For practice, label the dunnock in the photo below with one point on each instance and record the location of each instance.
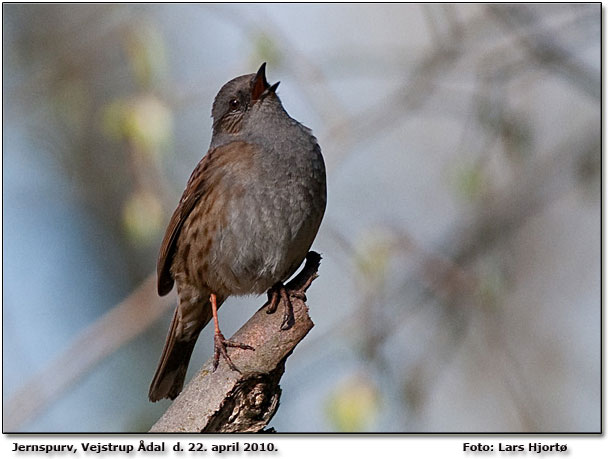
(250, 212)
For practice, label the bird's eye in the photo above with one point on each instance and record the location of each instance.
(235, 104)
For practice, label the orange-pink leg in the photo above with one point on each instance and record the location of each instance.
(221, 343)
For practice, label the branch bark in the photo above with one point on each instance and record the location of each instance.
(228, 401)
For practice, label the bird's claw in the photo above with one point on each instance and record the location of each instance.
(220, 345)
(278, 293)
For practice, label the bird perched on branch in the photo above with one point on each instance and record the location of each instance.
(244, 224)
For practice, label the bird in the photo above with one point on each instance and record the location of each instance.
(245, 222)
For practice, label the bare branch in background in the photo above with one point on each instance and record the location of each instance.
(106, 335)
(547, 49)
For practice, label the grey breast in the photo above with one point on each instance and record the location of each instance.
(272, 229)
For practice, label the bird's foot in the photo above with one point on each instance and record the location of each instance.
(278, 293)
(220, 345)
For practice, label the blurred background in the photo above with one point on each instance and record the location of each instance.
(460, 285)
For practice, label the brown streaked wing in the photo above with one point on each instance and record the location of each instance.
(233, 153)
(189, 198)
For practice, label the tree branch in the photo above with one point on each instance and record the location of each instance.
(228, 401)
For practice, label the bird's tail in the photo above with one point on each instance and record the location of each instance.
(169, 378)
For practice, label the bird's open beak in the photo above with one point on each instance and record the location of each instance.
(260, 87)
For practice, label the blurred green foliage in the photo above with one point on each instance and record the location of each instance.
(265, 49)
(373, 254)
(470, 180)
(143, 217)
(145, 122)
(353, 405)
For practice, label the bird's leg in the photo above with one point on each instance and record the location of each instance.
(278, 293)
(221, 343)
